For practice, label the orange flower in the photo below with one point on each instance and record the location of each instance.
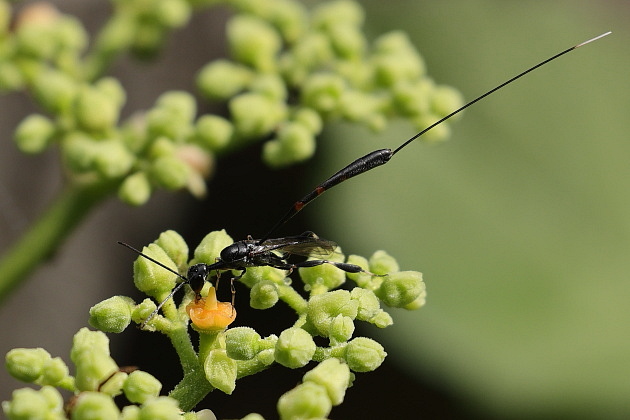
(208, 314)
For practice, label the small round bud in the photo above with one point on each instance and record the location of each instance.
(368, 303)
(94, 405)
(160, 408)
(221, 371)
(306, 401)
(342, 12)
(169, 172)
(242, 343)
(223, 79)
(341, 329)
(26, 365)
(400, 289)
(54, 372)
(438, 133)
(263, 295)
(253, 416)
(54, 90)
(348, 41)
(254, 42)
(364, 354)
(112, 159)
(295, 348)
(323, 92)
(34, 133)
(324, 308)
(149, 277)
(332, 374)
(90, 355)
(323, 277)
(310, 119)
(211, 246)
(295, 143)
(445, 100)
(175, 247)
(95, 111)
(214, 132)
(27, 403)
(270, 85)
(112, 315)
(382, 263)
(141, 386)
(135, 189)
(172, 13)
(256, 115)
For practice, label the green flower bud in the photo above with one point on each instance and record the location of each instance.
(364, 354)
(334, 376)
(172, 115)
(5, 16)
(70, 34)
(135, 189)
(26, 364)
(27, 403)
(160, 408)
(323, 277)
(223, 79)
(418, 303)
(149, 277)
(172, 13)
(445, 100)
(211, 246)
(94, 405)
(340, 12)
(214, 132)
(358, 106)
(34, 133)
(79, 151)
(112, 88)
(324, 308)
(55, 91)
(310, 119)
(95, 111)
(256, 275)
(141, 386)
(142, 311)
(348, 41)
(341, 329)
(438, 133)
(253, 416)
(400, 289)
(90, 355)
(270, 85)
(295, 143)
(323, 92)
(55, 371)
(413, 97)
(254, 42)
(116, 35)
(112, 159)
(36, 39)
(295, 348)
(382, 263)
(370, 309)
(148, 38)
(130, 412)
(263, 295)
(291, 19)
(178, 103)
(10, 77)
(175, 247)
(112, 315)
(306, 401)
(113, 385)
(256, 115)
(221, 370)
(242, 343)
(204, 414)
(169, 172)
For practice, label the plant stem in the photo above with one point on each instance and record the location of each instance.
(43, 238)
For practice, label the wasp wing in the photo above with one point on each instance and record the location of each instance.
(307, 246)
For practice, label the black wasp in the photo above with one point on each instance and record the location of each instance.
(267, 251)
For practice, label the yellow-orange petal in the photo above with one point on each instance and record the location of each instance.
(209, 314)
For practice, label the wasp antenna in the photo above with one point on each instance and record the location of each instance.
(491, 91)
(170, 295)
(593, 39)
(153, 261)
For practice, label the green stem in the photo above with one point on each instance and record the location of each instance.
(43, 238)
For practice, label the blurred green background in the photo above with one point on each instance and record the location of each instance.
(520, 222)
